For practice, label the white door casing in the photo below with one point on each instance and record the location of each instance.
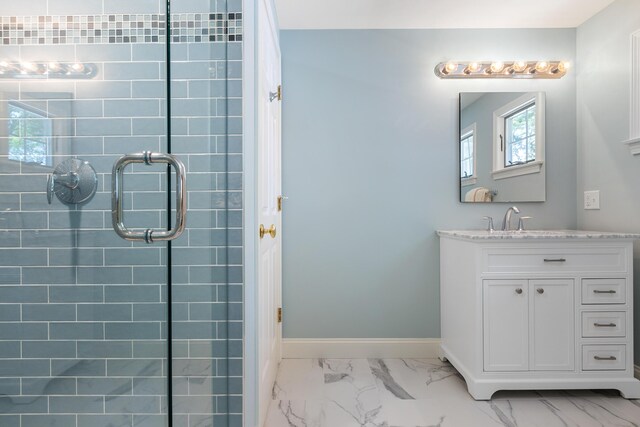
(269, 189)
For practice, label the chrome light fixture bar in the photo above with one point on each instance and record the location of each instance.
(47, 70)
(502, 70)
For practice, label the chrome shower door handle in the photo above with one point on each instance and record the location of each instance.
(117, 177)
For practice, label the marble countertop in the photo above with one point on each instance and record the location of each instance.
(535, 234)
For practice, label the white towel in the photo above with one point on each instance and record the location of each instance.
(470, 196)
(478, 195)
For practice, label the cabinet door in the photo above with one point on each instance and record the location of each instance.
(552, 325)
(505, 325)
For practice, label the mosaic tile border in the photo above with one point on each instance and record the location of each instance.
(118, 29)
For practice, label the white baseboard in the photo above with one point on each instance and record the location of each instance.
(348, 348)
(636, 371)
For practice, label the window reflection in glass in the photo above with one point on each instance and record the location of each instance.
(30, 135)
(466, 156)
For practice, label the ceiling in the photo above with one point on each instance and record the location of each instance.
(392, 14)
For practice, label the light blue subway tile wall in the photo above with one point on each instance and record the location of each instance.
(82, 311)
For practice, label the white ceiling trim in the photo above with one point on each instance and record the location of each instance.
(415, 14)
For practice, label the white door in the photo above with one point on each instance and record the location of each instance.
(506, 325)
(269, 189)
(552, 337)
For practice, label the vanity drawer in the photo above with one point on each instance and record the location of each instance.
(603, 357)
(556, 259)
(604, 324)
(604, 291)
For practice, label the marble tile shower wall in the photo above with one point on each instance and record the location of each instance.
(82, 312)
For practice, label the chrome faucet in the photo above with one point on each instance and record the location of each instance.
(506, 222)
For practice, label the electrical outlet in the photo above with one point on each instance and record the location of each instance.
(592, 199)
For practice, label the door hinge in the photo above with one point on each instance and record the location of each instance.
(279, 203)
(276, 95)
(279, 314)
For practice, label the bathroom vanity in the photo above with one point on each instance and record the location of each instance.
(538, 310)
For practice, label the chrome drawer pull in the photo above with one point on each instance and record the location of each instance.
(605, 358)
(596, 291)
(605, 325)
(555, 260)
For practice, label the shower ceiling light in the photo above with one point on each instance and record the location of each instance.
(47, 70)
(502, 69)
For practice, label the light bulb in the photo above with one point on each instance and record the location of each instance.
(54, 66)
(497, 67)
(28, 66)
(4, 64)
(474, 67)
(519, 66)
(450, 67)
(77, 67)
(542, 66)
(562, 67)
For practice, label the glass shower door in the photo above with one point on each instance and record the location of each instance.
(87, 334)
(83, 311)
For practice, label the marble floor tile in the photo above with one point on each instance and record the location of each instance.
(364, 411)
(426, 393)
(345, 378)
(437, 412)
(295, 413)
(299, 379)
(351, 394)
(565, 412)
(410, 379)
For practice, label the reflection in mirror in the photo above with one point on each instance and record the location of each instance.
(33, 128)
(29, 133)
(501, 147)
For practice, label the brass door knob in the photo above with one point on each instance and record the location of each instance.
(271, 231)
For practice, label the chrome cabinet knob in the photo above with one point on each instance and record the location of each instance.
(518, 291)
(540, 290)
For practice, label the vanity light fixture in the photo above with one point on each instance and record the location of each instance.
(502, 69)
(47, 70)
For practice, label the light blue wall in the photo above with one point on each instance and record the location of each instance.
(370, 166)
(604, 162)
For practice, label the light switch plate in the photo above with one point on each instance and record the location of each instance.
(592, 199)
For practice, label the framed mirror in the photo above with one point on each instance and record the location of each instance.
(501, 145)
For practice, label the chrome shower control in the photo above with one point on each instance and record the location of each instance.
(73, 181)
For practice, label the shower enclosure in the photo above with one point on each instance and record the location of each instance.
(121, 213)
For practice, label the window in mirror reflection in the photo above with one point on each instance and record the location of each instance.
(521, 136)
(468, 155)
(29, 131)
(518, 131)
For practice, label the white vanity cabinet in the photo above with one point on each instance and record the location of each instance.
(538, 311)
(528, 325)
